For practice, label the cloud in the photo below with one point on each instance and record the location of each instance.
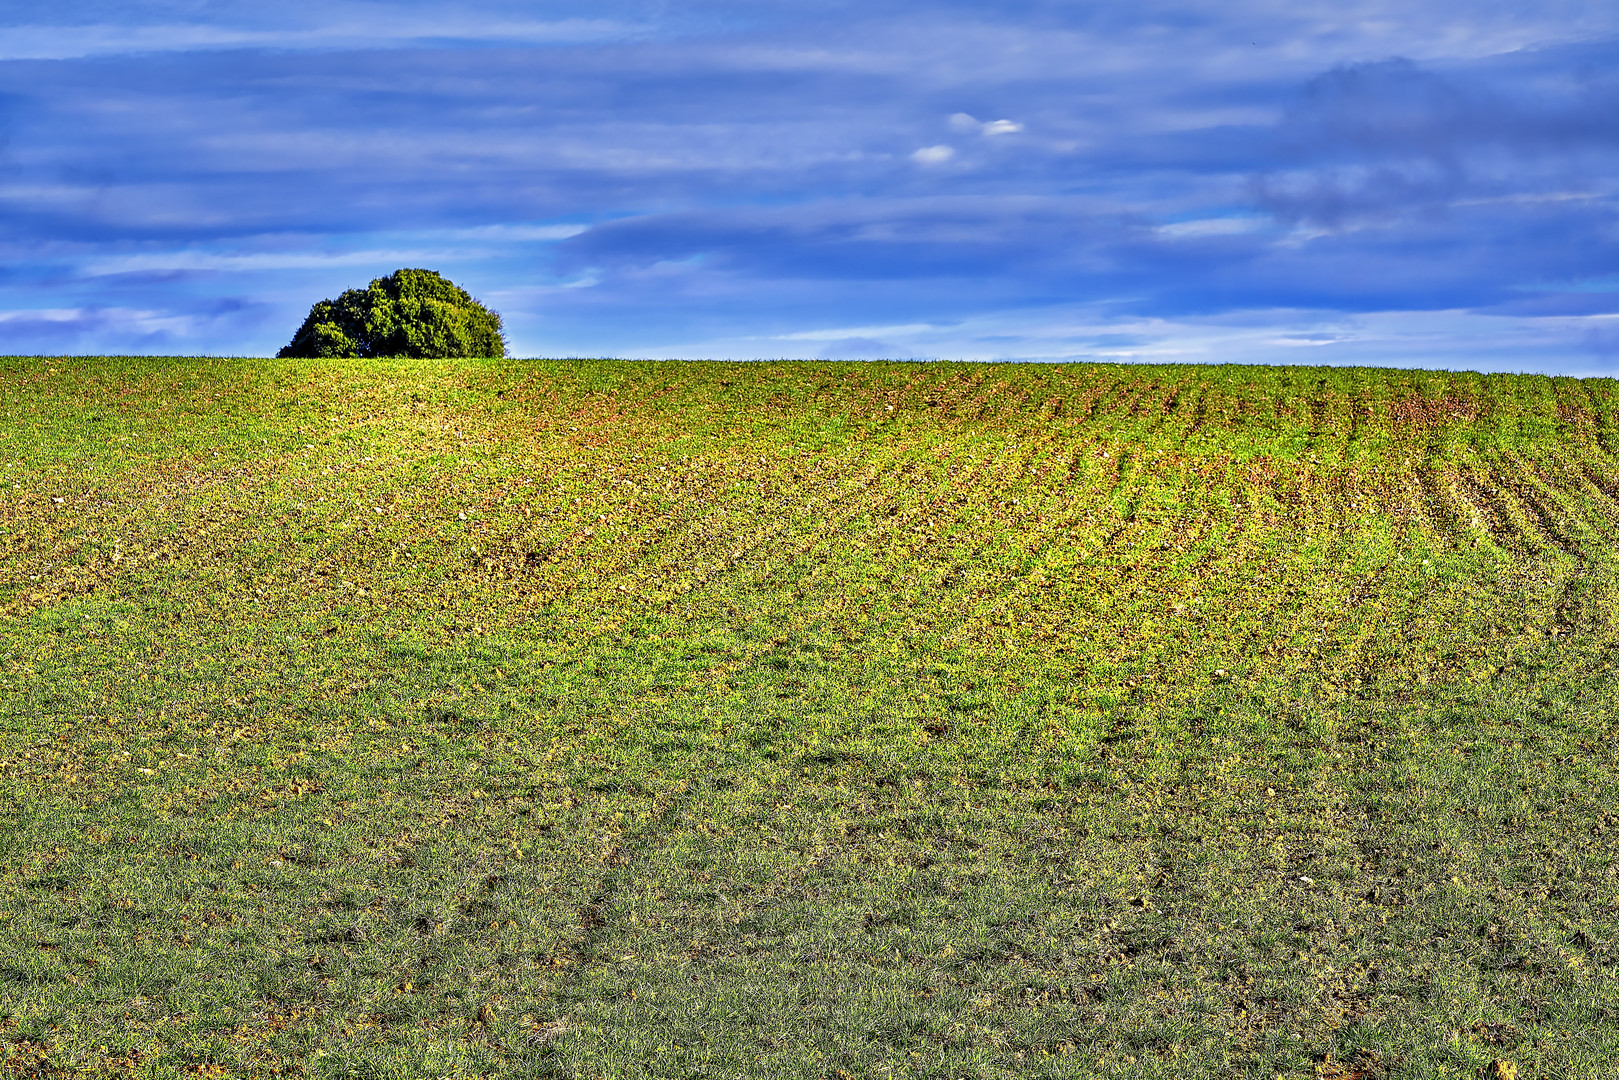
(94, 329)
(43, 315)
(967, 122)
(1376, 141)
(365, 29)
(1603, 341)
(191, 260)
(855, 333)
(1077, 332)
(858, 348)
(1233, 225)
(277, 255)
(625, 177)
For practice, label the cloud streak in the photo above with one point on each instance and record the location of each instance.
(79, 42)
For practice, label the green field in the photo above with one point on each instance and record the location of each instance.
(609, 719)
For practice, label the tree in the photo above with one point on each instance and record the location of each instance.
(414, 313)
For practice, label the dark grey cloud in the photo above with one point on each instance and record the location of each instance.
(1376, 141)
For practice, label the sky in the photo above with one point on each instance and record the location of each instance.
(1429, 184)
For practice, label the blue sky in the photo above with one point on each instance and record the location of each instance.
(1428, 184)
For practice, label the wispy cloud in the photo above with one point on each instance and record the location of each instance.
(1235, 225)
(491, 240)
(371, 29)
(849, 333)
(105, 329)
(967, 122)
(1383, 139)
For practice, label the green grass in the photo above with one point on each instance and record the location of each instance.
(603, 719)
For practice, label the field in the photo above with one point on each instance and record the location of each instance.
(605, 719)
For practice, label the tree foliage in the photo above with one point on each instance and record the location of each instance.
(415, 313)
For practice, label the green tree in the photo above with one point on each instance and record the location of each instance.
(408, 313)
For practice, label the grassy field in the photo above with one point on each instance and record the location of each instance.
(601, 719)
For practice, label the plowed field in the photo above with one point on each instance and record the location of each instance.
(608, 719)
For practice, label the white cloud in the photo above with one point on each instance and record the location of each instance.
(292, 259)
(61, 315)
(1458, 341)
(46, 42)
(858, 348)
(516, 232)
(933, 155)
(967, 122)
(1220, 226)
(1307, 341)
(114, 321)
(267, 260)
(842, 333)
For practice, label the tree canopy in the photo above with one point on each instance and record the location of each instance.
(415, 313)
